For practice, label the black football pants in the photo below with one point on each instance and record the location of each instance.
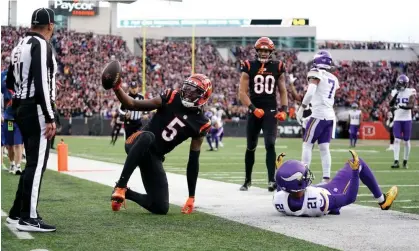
(32, 126)
(268, 123)
(156, 199)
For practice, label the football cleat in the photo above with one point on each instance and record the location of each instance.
(390, 197)
(118, 198)
(396, 164)
(246, 186)
(405, 164)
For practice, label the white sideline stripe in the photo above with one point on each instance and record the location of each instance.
(258, 183)
(175, 164)
(215, 173)
(12, 228)
(374, 201)
(410, 207)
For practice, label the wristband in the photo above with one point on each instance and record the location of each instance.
(252, 107)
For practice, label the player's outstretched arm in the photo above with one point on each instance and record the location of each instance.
(137, 105)
(192, 171)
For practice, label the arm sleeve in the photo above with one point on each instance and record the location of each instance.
(39, 67)
(121, 109)
(340, 200)
(10, 80)
(192, 171)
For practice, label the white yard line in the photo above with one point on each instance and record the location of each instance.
(409, 207)
(373, 228)
(12, 227)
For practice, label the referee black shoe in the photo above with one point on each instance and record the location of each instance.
(34, 225)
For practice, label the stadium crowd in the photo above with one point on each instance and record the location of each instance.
(360, 45)
(81, 57)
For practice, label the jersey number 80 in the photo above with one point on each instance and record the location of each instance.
(264, 84)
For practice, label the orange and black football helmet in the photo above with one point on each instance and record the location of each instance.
(264, 49)
(196, 90)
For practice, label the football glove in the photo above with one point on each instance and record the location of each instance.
(292, 79)
(189, 206)
(281, 116)
(256, 111)
(354, 162)
(279, 160)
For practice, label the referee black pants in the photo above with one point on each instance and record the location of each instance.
(32, 125)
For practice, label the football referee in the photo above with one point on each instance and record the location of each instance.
(32, 76)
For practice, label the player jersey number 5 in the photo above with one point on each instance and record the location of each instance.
(264, 84)
(170, 131)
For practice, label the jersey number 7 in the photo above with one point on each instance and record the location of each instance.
(170, 132)
(264, 84)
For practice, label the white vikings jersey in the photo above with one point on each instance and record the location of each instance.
(324, 97)
(216, 120)
(403, 99)
(355, 117)
(316, 202)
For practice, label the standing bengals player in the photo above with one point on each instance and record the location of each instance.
(260, 78)
(179, 116)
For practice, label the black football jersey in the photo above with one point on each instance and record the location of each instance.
(263, 79)
(173, 123)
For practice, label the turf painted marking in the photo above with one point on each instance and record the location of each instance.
(254, 208)
(409, 207)
(374, 201)
(12, 228)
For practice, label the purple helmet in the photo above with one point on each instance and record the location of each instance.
(402, 82)
(293, 176)
(323, 59)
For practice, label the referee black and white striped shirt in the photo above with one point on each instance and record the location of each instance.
(135, 116)
(32, 73)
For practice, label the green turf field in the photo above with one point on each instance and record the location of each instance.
(80, 209)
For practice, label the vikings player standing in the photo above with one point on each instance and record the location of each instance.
(296, 197)
(403, 99)
(354, 122)
(216, 132)
(321, 125)
(260, 79)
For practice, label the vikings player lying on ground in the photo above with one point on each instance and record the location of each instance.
(296, 197)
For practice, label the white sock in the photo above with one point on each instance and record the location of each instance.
(326, 159)
(380, 199)
(307, 152)
(406, 149)
(396, 149)
(13, 163)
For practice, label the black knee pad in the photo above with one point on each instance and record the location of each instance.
(251, 146)
(140, 138)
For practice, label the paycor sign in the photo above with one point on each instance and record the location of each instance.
(74, 8)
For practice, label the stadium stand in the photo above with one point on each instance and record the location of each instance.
(81, 56)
